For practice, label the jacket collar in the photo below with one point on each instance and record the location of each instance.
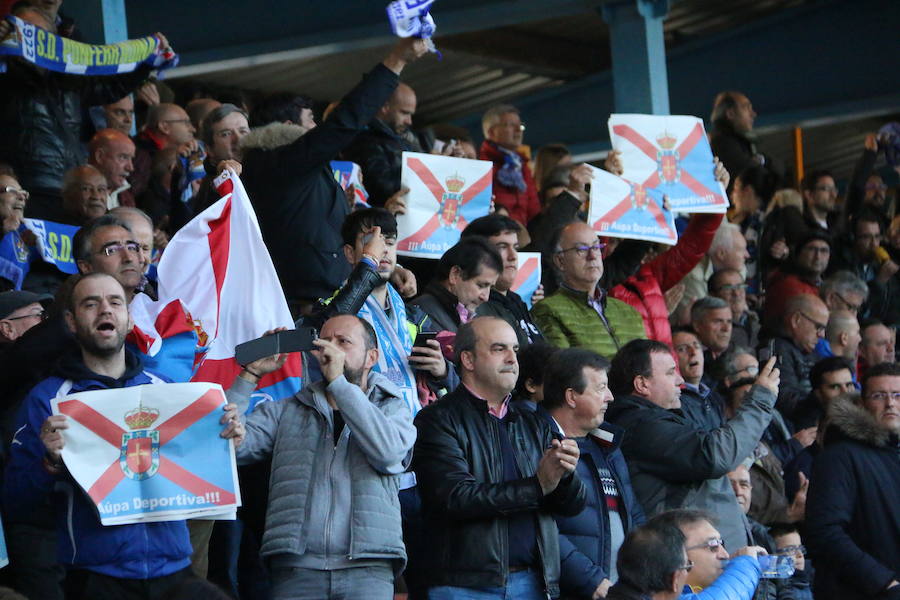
(272, 136)
(607, 436)
(847, 420)
(380, 388)
(71, 366)
(512, 408)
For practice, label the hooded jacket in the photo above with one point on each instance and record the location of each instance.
(136, 551)
(853, 507)
(299, 204)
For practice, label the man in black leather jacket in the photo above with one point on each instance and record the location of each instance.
(491, 478)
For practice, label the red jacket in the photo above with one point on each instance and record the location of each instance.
(645, 290)
(522, 206)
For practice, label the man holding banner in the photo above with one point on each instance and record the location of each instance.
(141, 560)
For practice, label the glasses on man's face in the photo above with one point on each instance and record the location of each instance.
(752, 371)
(820, 328)
(884, 396)
(876, 187)
(40, 315)
(583, 249)
(792, 550)
(687, 566)
(850, 306)
(827, 188)
(711, 544)
(113, 249)
(733, 287)
(18, 192)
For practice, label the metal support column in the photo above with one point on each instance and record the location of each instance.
(100, 21)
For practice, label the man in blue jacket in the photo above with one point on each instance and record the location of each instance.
(140, 561)
(575, 399)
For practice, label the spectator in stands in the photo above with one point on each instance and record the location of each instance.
(97, 314)
(167, 126)
(819, 202)
(579, 313)
(672, 462)
(84, 194)
(652, 565)
(198, 108)
(728, 250)
(773, 249)
(41, 111)
(802, 275)
(491, 478)
(514, 187)
(877, 345)
(462, 282)
(860, 251)
(729, 285)
(142, 231)
(112, 152)
(19, 312)
(803, 323)
(732, 138)
(797, 586)
(503, 302)
(529, 390)
(752, 192)
(333, 523)
(829, 378)
(107, 245)
(699, 401)
(866, 189)
(707, 552)
(120, 114)
(576, 396)
(843, 290)
(301, 209)
(378, 148)
(711, 319)
(842, 336)
(854, 500)
(12, 204)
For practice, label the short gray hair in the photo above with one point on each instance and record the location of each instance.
(729, 358)
(844, 282)
(723, 238)
(706, 304)
(493, 115)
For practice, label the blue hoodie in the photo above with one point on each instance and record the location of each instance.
(138, 551)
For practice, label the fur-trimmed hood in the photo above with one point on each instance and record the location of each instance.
(856, 423)
(272, 136)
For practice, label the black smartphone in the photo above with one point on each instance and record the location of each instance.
(292, 340)
(768, 352)
(422, 338)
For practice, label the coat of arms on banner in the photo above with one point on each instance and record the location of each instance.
(139, 456)
(668, 166)
(451, 199)
(625, 209)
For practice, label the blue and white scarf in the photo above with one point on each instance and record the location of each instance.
(410, 18)
(510, 174)
(56, 53)
(394, 344)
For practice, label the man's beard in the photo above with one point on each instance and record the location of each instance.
(354, 376)
(92, 347)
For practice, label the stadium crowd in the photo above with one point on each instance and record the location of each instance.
(659, 421)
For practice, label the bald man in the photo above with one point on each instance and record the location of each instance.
(168, 126)
(112, 152)
(804, 323)
(378, 149)
(842, 335)
(198, 108)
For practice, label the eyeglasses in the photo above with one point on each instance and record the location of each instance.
(883, 396)
(826, 188)
(820, 328)
(792, 550)
(711, 544)
(687, 566)
(43, 316)
(115, 248)
(850, 306)
(583, 249)
(876, 186)
(733, 287)
(8, 189)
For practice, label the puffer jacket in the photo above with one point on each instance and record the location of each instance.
(674, 464)
(308, 514)
(299, 204)
(853, 507)
(41, 118)
(135, 551)
(645, 290)
(467, 503)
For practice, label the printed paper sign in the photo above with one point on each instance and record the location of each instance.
(54, 242)
(151, 452)
(623, 209)
(445, 194)
(671, 155)
(529, 276)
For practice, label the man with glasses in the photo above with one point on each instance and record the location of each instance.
(853, 509)
(738, 572)
(801, 275)
(730, 286)
(167, 126)
(819, 202)
(514, 186)
(803, 324)
(580, 314)
(843, 290)
(19, 312)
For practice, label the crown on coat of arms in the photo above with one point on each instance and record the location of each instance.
(666, 140)
(141, 417)
(455, 182)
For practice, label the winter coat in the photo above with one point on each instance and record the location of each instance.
(135, 551)
(645, 290)
(674, 464)
(853, 506)
(511, 308)
(795, 366)
(522, 205)
(378, 152)
(784, 284)
(440, 305)
(299, 204)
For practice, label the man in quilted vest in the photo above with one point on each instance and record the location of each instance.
(580, 314)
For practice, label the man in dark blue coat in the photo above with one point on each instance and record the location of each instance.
(575, 399)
